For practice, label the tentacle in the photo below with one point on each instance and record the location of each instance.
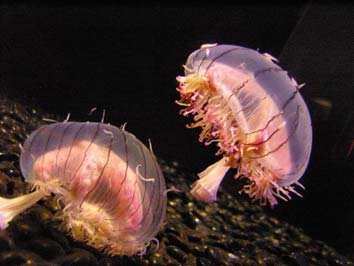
(141, 177)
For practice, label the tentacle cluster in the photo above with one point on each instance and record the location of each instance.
(211, 113)
(264, 184)
(91, 224)
(214, 116)
(94, 226)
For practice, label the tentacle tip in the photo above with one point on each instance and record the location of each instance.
(171, 190)
(157, 243)
(67, 118)
(142, 177)
(103, 115)
(123, 126)
(49, 120)
(92, 110)
(150, 146)
(208, 45)
(301, 85)
(270, 57)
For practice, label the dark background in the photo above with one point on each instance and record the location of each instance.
(124, 58)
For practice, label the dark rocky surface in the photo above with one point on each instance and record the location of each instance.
(228, 232)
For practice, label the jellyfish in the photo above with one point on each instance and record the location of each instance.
(109, 183)
(250, 107)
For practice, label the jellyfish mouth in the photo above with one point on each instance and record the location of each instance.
(213, 114)
(9, 208)
(205, 189)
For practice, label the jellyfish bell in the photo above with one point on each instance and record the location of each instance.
(249, 106)
(111, 185)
